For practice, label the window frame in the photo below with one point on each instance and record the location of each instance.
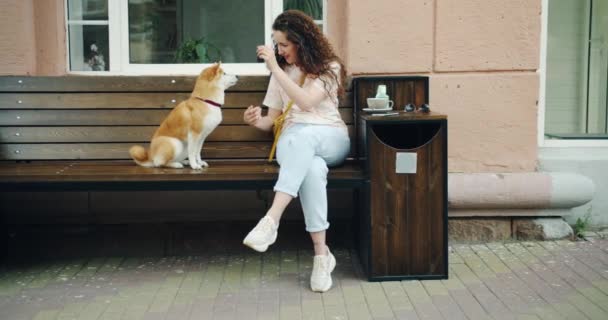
(544, 142)
(67, 23)
(118, 39)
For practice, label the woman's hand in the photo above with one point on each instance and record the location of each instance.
(252, 115)
(267, 54)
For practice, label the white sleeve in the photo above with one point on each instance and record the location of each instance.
(273, 95)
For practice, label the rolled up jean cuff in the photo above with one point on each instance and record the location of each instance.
(317, 229)
(295, 195)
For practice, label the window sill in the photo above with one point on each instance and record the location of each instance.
(241, 69)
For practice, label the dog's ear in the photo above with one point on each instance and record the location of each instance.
(210, 72)
(217, 67)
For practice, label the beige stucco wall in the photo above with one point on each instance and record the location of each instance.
(337, 27)
(49, 17)
(491, 120)
(481, 56)
(17, 37)
(32, 37)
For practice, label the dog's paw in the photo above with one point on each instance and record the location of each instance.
(203, 164)
(175, 165)
(196, 166)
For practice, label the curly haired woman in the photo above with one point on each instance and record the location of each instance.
(307, 76)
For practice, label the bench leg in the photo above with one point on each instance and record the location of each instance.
(363, 226)
(355, 225)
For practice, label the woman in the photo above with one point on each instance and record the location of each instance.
(306, 71)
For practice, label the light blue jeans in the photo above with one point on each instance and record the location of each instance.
(304, 152)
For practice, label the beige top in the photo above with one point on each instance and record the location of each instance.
(326, 113)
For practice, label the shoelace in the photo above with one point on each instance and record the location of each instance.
(265, 227)
(322, 266)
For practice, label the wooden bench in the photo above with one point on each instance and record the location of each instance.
(73, 133)
(64, 143)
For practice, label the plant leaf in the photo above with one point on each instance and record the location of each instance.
(201, 51)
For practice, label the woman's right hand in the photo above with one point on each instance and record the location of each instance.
(252, 114)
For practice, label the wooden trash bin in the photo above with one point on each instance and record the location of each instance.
(404, 224)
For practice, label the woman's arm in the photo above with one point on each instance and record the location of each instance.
(253, 117)
(305, 99)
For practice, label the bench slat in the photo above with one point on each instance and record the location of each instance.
(118, 134)
(122, 134)
(116, 117)
(162, 100)
(63, 151)
(119, 84)
(118, 100)
(111, 151)
(122, 84)
(112, 171)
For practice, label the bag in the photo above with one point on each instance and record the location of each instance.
(277, 128)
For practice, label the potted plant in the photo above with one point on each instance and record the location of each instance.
(314, 8)
(197, 51)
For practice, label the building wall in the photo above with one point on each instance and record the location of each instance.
(32, 37)
(481, 57)
(49, 17)
(17, 37)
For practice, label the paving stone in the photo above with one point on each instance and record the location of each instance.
(516, 280)
(377, 301)
(423, 304)
(441, 299)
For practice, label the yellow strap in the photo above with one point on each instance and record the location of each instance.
(277, 128)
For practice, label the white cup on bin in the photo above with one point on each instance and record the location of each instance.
(380, 103)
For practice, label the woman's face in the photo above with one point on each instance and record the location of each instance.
(287, 49)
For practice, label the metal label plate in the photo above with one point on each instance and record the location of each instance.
(406, 162)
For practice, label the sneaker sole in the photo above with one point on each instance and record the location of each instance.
(260, 248)
(332, 266)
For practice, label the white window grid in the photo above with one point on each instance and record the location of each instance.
(119, 44)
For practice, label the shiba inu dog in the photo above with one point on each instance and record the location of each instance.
(179, 139)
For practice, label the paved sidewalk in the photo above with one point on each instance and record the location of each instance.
(520, 280)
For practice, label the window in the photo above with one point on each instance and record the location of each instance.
(173, 36)
(88, 35)
(576, 72)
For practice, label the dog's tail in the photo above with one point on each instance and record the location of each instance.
(140, 156)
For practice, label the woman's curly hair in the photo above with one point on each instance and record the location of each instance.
(315, 53)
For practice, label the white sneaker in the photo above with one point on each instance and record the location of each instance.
(323, 265)
(263, 235)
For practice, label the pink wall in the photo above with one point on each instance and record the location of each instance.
(32, 37)
(51, 49)
(481, 56)
(17, 37)
(337, 27)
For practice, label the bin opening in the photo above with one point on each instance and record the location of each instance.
(406, 136)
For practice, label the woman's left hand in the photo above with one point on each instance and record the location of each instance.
(267, 54)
